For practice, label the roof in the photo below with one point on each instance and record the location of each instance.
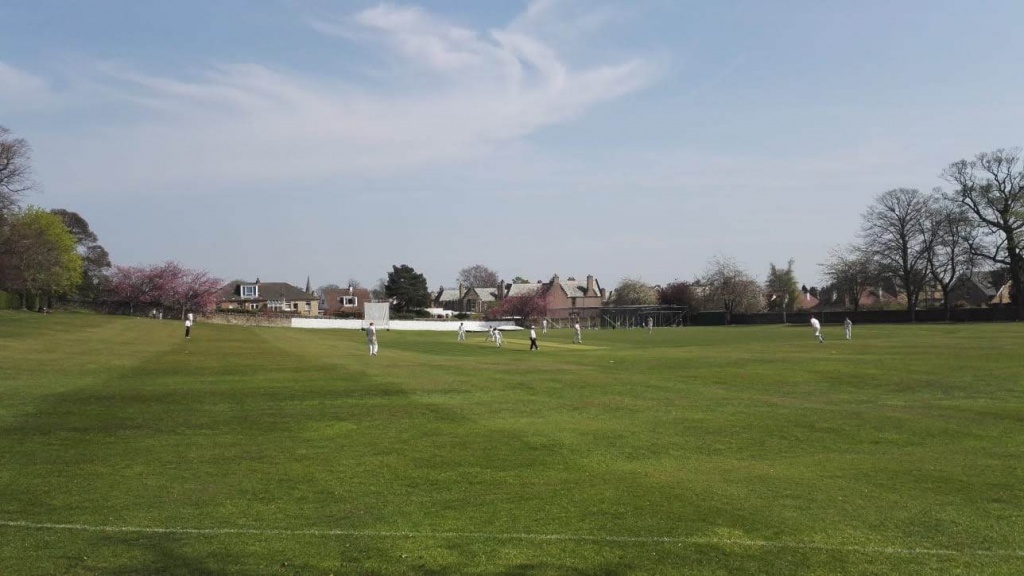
(266, 291)
(447, 295)
(482, 293)
(523, 289)
(334, 295)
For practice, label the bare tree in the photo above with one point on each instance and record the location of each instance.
(992, 188)
(850, 271)
(478, 275)
(15, 170)
(954, 238)
(894, 232)
(728, 286)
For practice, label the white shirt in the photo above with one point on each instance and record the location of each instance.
(533, 334)
(188, 323)
(371, 332)
(815, 324)
(190, 318)
(577, 327)
(847, 323)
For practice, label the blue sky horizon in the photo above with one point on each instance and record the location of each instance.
(333, 139)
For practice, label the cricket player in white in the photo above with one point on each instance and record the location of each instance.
(650, 325)
(533, 339)
(848, 326)
(497, 337)
(462, 332)
(544, 326)
(490, 334)
(371, 338)
(577, 337)
(817, 329)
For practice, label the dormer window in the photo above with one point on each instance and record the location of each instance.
(348, 301)
(250, 291)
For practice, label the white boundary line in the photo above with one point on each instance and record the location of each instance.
(496, 536)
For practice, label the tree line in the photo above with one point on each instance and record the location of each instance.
(50, 255)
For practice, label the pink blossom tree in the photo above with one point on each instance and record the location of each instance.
(526, 308)
(168, 285)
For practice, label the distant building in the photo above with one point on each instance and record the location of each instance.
(271, 296)
(347, 301)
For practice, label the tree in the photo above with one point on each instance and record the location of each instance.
(520, 280)
(478, 275)
(379, 291)
(895, 233)
(781, 287)
(634, 292)
(38, 256)
(730, 287)
(991, 187)
(169, 285)
(407, 288)
(850, 271)
(680, 294)
(15, 171)
(186, 289)
(954, 235)
(95, 258)
(329, 286)
(132, 286)
(353, 283)
(527, 308)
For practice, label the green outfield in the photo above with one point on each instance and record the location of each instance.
(128, 450)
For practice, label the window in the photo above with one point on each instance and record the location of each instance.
(295, 305)
(250, 291)
(309, 306)
(348, 301)
(254, 306)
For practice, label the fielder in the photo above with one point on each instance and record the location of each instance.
(848, 327)
(544, 326)
(371, 338)
(497, 337)
(817, 329)
(533, 339)
(577, 336)
(462, 332)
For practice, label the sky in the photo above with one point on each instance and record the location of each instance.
(286, 139)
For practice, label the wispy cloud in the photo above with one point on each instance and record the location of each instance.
(251, 122)
(21, 89)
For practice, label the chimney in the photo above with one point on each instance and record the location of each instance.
(501, 289)
(590, 284)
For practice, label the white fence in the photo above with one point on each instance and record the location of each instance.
(433, 326)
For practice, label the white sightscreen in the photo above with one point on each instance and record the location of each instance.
(377, 312)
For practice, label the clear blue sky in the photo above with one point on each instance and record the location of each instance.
(638, 138)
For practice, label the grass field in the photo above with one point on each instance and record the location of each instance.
(128, 450)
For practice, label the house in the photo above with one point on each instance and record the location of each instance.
(1003, 296)
(467, 299)
(270, 296)
(566, 298)
(343, 301)
(571, 298)
(972, 290)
